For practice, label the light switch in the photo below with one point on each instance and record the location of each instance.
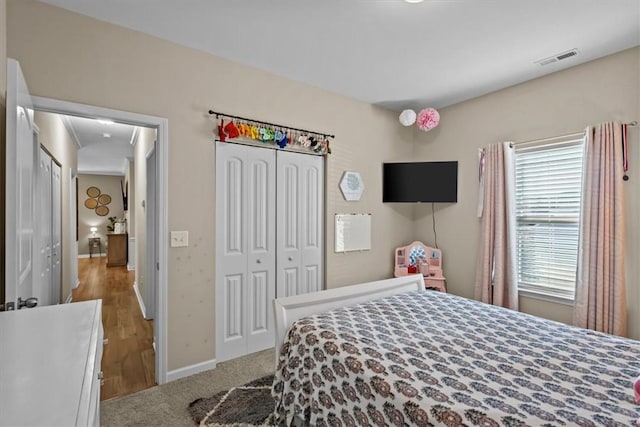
(179, 239)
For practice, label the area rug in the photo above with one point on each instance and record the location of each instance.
(250, 404)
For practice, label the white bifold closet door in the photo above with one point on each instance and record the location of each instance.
(245, 249)
(300, 223)
(48, 240)
(269, 240)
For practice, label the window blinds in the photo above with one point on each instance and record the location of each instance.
(548, 193)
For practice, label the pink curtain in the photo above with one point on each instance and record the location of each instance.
(496, 267)
(600, 302)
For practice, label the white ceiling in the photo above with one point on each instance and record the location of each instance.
(98, 154)
(387, 52)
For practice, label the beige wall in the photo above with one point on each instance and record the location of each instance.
(560, 103)
(55, 139)
(140, 73)
(144, 143)
(3, 51)
(88, 218)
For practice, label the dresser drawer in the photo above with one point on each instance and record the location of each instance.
(438, 283)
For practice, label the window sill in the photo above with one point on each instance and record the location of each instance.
(546, 297)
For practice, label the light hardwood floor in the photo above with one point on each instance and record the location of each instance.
(128, 361)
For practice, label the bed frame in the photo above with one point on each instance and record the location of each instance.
(289, 309)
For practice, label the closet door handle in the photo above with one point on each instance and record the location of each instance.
(290, 258)
(258, 261)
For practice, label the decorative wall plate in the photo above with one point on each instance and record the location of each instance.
(90, 203)
(351, 185)
(93, 191)
(102, 210)
(104, 199)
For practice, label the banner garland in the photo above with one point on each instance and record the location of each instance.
(234, 127)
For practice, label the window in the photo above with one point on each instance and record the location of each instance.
(548, 192)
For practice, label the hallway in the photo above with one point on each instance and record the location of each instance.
(128, 361)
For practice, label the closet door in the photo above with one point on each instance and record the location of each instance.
(245, 249)
(300, 223)
(261, 248)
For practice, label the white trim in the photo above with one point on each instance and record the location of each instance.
(131, 261)
(526, 293)
(143, 309)
(162, 145)
(73, 222)
(134, 136)
(106, 173)
(69, 298)
(94, 255)
(191, 370)
(125, 165)
(71, 130)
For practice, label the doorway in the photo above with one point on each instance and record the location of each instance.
(159, 304)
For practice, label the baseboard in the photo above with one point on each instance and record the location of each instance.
(89, 256)
(131, 267)
(191, 370)
(143, 309)
(69, 299)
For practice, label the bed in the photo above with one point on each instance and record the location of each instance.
(391, 353)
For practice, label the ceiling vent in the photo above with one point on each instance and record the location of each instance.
(557, 57)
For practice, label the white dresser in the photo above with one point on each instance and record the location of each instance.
(50, 365)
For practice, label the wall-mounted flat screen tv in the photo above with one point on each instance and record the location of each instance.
(420, 182)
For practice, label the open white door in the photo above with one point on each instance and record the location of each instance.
(21, 152)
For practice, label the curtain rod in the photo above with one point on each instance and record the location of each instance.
(218, 114)
(569, 135)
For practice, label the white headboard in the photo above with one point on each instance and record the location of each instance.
(289, 309)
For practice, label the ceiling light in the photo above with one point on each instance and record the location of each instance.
(414, 1)
(106, 135)
(105, 121)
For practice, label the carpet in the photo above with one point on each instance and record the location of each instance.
(250, 404)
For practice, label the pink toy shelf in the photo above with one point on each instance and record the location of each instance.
(417, 258)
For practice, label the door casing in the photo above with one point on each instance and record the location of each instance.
(162, 149)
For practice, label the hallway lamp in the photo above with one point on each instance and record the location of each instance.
(93, 231)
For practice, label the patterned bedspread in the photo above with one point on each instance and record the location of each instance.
(428, 358)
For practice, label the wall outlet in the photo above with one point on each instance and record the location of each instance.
(179, 239)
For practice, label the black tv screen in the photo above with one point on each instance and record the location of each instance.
(420, 182)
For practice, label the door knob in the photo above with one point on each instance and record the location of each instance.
(290, 258)
(29, 302)
(258, 261)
